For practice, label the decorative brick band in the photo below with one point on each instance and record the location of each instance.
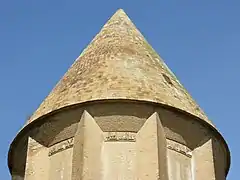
(180, 148)
(108, 136)
(60, 146)
(120, 136)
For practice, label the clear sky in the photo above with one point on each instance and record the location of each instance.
(199, 41)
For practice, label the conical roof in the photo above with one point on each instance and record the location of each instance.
(119, 64)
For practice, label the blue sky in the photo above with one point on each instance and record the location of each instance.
(199, 41)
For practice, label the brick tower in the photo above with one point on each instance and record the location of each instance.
(119, 114)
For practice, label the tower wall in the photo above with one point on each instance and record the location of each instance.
(117, 136)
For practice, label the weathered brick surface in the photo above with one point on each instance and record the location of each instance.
(119, 64)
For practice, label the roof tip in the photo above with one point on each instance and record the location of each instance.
(120, 11)
(118, 16)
